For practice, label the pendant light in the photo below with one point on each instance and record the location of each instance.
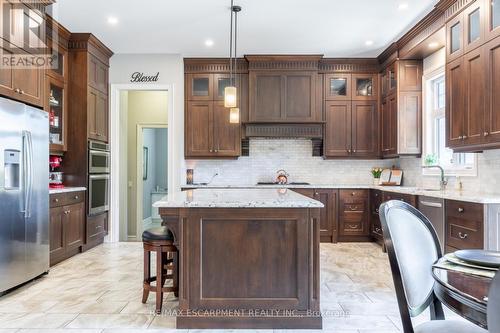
(230, 92)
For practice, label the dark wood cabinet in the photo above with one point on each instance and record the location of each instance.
(97, 227)
(338, 138)
(328, 214)
(389, 126)
(209, 132)
(492, 90)
(354, 215)
(284, 97)
(475, 98)
(455, 103)
(364, 87)
(67, 225)
(401, 109)
(351, 129)
(88, 85)
(97, 113)
(375, 224)
(464, 226)
(24, 84)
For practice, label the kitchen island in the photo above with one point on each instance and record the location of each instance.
(249, 258)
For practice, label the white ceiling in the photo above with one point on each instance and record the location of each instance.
(335, 28)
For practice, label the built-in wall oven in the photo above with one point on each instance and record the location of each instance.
(99, 157)
(99, 167)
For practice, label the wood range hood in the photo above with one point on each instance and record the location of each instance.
(283, 97)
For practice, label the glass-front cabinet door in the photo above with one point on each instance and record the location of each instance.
(221, 81)
(455, 38)
(473, 26)
(56, 107)
(365, 86)
(492, 19)
(59, 65)
(200, 87)
(337, 87)
(392, 78)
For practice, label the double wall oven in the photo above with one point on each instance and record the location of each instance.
(99, 168)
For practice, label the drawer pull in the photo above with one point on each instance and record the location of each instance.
(462, 236)
(77, 197)
(99, 227)
(18, 90)
(353, 194)
(376, 210)
(352, 226)
(460, 210)
(67, 212)
(378, 230)
(56, 200)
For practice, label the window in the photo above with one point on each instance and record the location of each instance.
(435, 151)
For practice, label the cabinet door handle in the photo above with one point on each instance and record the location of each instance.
(67, 212)
(56, 200)
(464, 137)
(211, 150)
(353, 194)
(354, 150)
(316, 194)
(17, 90)
(486, 133)
(352, 226)
(22, 91)
(377, 230)
(77, 197)
(460, 210)
(462, 236)
(460, 137)
(377, 210)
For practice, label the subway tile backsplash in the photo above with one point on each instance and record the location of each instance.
(293, 155)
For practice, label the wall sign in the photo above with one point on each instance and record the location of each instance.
(140, 77)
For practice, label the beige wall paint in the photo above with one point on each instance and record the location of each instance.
(143, 107)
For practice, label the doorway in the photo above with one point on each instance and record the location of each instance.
(153, 166)
(142, 163)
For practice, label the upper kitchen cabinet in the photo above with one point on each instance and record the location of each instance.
(492, 26)
(88, 87)
(283, 89)
(466, 31)
(208, 131)
(401, 123)
(56, 84)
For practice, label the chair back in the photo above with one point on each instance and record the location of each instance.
(494, 305)
(413, 247)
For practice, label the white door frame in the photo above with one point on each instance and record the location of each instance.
(116, 89)
(139, 181)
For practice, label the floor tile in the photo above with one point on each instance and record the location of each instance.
(110, 321)
(35, 320)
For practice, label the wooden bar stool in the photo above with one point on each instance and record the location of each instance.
(160, 240)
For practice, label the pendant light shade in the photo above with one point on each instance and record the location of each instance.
(234, 116)
(230, 92)
(230, 99)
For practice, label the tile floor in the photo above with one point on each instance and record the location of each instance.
(100, 292)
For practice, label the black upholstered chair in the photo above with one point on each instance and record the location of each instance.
(494, 306)
(413, 247)
(159, 240)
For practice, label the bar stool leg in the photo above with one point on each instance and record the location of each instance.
(159, 280)
(175, 273)
(147, 275)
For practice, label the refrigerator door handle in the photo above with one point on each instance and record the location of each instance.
(27, 172)
(30, 175)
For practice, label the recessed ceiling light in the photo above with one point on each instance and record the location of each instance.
(433, 45)
(209, 43)
(112, 20)
(403, 6)
(369, 43)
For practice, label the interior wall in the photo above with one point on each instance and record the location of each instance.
(123, 194)
(144, 107)
(161, 155)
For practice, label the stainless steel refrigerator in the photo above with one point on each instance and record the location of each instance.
(24, 193)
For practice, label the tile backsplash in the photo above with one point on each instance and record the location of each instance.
(293, 155)
(487, 179)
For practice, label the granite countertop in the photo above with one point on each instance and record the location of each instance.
(468, 196)
(66, 190)
(237, 198)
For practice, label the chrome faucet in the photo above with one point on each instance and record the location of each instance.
(443, 182)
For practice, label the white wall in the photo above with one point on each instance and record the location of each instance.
(171, 69)
(171, 74)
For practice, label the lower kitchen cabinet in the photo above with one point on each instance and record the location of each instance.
(97, 227)
(464, 226)
(328, 214)
(67, 225)
(376, 225)
(354, 216)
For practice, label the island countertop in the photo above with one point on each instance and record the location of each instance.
(237, 198)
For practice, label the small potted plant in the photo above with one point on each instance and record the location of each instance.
(376, 173)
